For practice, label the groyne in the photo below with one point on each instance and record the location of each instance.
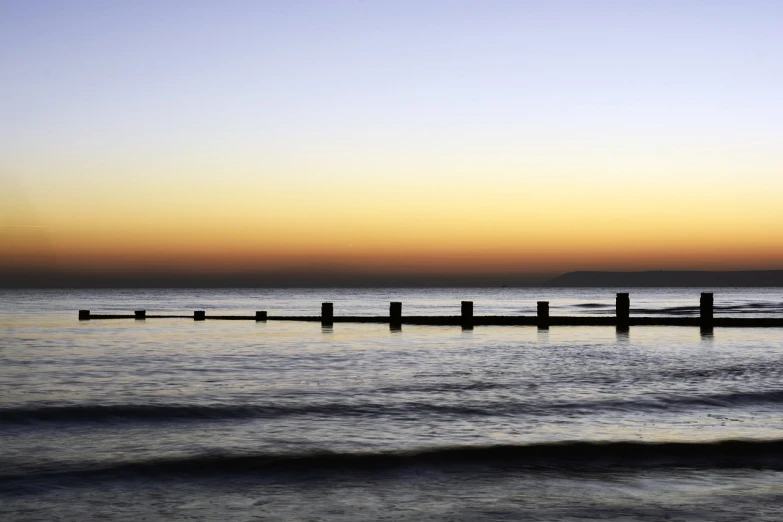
(467, 320)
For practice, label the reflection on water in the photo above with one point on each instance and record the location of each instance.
(744, 302)
(622, 334)
(542, 335)
(79, 395)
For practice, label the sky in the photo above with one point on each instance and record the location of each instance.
(419, 139)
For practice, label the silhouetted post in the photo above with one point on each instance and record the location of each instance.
(395, 315)
(327, 314)
(706, 309)
(84, 315)
(261, 315)
(140, 315)
(467, 315)
(199, 315)
(623, 307)
(543, 314)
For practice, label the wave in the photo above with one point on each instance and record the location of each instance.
(757, 454)
(145, 412)
(216, 412)
(770, 397)
(751, 306)
(441, 387)
(693, 310)
(152, 412)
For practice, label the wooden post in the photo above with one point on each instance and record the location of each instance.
(199, 315)
(84, 315)
(467, 315)
(706, 309)
(140, 315)
(395, 315)
(543, 314)
(261, 315)
(327, 314)
(623, 310)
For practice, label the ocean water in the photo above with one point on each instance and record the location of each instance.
(172, 419)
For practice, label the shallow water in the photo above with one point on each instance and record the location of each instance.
(172, 419)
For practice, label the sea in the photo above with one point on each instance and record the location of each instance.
(179, 420)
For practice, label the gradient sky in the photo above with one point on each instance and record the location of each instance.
(429, 137)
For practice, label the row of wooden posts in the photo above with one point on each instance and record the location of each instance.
(467, 320)
(622, 312)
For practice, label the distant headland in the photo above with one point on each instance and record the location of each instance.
(670, 278)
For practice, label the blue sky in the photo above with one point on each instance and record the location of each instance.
(284, 110)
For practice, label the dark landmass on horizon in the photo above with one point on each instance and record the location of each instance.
(345, 279)
(669, 278)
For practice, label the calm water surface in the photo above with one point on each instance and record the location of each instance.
(171, 419)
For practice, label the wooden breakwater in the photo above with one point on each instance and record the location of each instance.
(621, 320)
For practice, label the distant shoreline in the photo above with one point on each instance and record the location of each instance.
(669, 279)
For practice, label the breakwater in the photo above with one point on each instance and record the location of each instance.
(467, 319)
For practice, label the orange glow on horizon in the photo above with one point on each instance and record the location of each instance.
(530, 226)
(421, 252)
